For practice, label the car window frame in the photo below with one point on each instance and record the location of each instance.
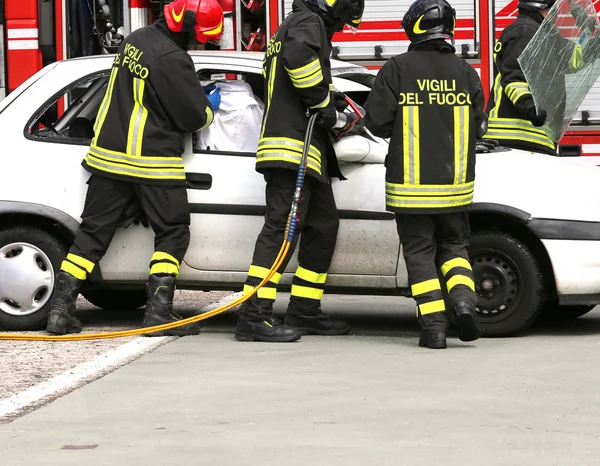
(225, 69)
(49, 102)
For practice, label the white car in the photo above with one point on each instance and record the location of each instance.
(535, 223)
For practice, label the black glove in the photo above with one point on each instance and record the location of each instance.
(339, 101)
(133, 214)
(538, 119)
(582, 19)
(326, 117)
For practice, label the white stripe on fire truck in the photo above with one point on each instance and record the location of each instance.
(23, 44)
(29, 33)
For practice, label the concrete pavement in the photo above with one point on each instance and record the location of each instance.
(370, 398)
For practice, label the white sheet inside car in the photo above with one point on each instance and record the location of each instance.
(237, 123)
(236, 126)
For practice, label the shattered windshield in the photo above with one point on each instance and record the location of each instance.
(560, 62)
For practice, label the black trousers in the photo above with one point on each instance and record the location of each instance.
(435, 252)
(106, 202)
(318, 224)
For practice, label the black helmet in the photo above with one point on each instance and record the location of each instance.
(537, 4)
(337, 13)
(429, 19)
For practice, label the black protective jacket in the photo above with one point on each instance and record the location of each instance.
(430, 103)
(152, 99)
(297, 81)
(510, 99)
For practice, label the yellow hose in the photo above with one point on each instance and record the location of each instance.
(146, 330)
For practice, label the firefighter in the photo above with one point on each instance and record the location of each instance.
(298, 83)
(153, 98)
(430, 103)
(514, 120)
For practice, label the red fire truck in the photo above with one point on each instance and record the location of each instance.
(37, 32)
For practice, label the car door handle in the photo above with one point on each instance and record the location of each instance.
(198, 180)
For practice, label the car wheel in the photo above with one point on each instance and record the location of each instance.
(508, 282)
(116, 299)
(553, 311)
(29, 261)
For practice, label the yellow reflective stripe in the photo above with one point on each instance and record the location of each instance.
(72, 269)
(426, 286)
(161, 256)
(517, 87)
(517, 123)
(210, 116)
(287, 143)
(311, 276)
(283, 157)
(81, 262)
(460, 280)
(497, 96)
(261, 272)
(577, 58)
(428, 202)
(433, 306)
(453, 263)
(106, 101)
(270, 86)
(304, 70)
(306, 292)
(164, 267)
(137, 122)
(324, 103)
(332, 87)
(119, 169)
(411, 144)
(494, 133)
(151, 159)
(461, 143)
(310, 81)
(264, 292)
(394, 189)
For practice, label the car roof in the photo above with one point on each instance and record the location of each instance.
(252, 59)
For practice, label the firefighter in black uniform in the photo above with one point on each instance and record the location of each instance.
(430, 102)
(298, 83)
(514, 120)
(152, 98)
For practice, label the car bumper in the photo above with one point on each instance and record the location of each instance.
(576, 267)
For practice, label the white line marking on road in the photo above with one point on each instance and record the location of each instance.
(77, 376)
(222, 302)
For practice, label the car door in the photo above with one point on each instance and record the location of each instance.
(227, 201)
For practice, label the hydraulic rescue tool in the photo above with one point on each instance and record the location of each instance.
(289, 236)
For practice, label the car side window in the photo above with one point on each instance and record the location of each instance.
(69, 116)
(236, 126)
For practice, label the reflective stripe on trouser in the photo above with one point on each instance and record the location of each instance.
(318, 222)
(163, 263)
(429, 242)
(106, 201)
(307, 288)
(77, 266)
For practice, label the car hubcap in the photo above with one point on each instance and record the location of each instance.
(498, 284)
(26, 279)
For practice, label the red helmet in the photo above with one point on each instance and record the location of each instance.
(205, 17)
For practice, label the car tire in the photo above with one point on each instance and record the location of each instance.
(508, 282)
(116, 299)
(48, 253)
(553, 311)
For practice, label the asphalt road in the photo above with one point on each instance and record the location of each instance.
(25, 364)
(371, 397)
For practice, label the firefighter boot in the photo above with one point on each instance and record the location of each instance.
(434, 327)
(466, 321)
(261, 325)
(318, 324)
(159, 308)
(61, 319)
